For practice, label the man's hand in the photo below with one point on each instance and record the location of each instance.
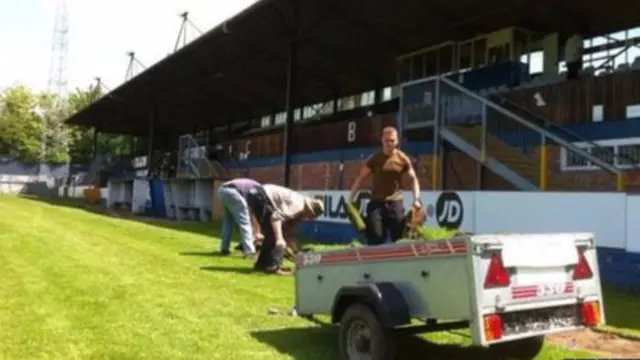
(417, 203)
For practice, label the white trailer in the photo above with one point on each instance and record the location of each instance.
(511, 290)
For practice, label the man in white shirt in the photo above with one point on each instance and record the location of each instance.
(273, 206)
(573, 50)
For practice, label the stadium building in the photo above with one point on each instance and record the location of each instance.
(490, 96)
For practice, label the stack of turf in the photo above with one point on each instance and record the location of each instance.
(353, 214)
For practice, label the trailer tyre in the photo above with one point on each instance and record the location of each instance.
(524, 349)
(362, 335)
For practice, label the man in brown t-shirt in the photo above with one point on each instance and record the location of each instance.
(385, 211)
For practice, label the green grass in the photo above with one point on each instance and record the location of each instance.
(79, 285)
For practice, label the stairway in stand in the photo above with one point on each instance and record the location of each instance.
(526, 165)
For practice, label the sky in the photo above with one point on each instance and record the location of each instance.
(100, 35)
(102, 32)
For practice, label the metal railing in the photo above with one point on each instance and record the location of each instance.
(192, 159)
(516, 132)
(521, 144)
(548, 124)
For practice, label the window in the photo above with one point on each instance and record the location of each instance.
(265, 121)
(431, 62)
(617, 152)
(387, 93)
(633, 111)
(417, 66)
(605, 153)
(281, 118)
(597, 113)
(405, 70)
(575, 161)
(445, 59)
(629, 155)
(368, 98)
(464, 56)
(480, 53)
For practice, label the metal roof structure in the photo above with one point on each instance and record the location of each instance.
(238, 70)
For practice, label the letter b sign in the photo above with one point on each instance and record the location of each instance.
(449, 210)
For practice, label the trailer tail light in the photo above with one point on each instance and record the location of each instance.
(493, 327)
(497, 275)
(582, 270)
(590, 313)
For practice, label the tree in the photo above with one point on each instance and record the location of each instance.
(81, 138)
(21, 126)
(27, 118)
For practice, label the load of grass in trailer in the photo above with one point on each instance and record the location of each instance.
(77, 284)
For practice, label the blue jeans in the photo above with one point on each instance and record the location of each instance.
(236, 213)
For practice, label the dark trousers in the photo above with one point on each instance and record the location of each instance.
(573, 69)
(384, 216)
(270, 257)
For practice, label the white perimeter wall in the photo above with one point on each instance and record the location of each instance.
(610, 216)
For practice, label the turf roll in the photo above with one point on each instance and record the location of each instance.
(353, 214)
(414, 221)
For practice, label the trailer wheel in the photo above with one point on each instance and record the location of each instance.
(362, 336)
(524, 349)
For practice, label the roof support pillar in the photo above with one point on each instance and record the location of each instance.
(96, 134)
(290, 108)
(150, 137)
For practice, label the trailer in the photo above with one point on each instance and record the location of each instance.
(510, 290)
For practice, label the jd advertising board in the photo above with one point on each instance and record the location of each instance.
(452, 210)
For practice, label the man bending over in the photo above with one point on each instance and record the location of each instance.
(273, 206)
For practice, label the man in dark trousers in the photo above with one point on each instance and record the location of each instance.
(277, 207)
(385, 211)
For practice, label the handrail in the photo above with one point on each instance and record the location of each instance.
(633, 161)
(534, 127)
(195, 143)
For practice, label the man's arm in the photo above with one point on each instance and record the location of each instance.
(415, 183)
(364, 173)
(290, 233)
(277, 231)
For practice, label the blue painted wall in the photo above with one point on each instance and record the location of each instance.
(619, 268)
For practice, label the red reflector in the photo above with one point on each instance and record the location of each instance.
(590, 313)
(582, 269)
(497, 275)
(493, 327)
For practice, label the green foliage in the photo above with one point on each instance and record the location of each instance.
(27, 118)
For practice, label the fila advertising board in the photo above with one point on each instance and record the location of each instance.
(447, 209)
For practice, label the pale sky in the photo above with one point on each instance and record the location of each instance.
(100, 34)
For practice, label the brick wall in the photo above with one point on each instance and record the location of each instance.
(460, 173)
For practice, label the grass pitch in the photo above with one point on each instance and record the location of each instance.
(80, 285)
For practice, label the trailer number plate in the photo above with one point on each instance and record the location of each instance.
(551, 289)
(311, 258)
(523, 322)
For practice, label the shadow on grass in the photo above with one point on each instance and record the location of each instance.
(317, 343)
(622, 308)
(209, 229)
(234, 269)
(206, 253)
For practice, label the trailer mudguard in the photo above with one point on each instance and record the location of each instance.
(383, 297)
